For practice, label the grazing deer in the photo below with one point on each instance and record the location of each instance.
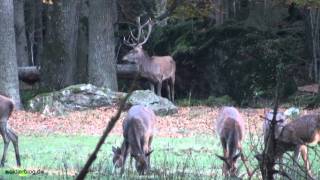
(155, 69)
(6, 108)
(230, 128)
(138, 133)
(296, 135)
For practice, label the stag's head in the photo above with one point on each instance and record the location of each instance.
(141, 162)
(117, 157)
(136, 42)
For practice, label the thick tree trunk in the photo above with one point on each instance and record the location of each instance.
(101, 65)
(9, 84)
(20, 32)
(59, 56)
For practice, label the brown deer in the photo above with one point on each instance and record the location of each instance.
(6, 108)
(155, 69)
(138, 133)
(230, 128)
(296, 135)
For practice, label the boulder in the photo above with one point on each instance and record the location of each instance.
(75, 97)
(161, 106)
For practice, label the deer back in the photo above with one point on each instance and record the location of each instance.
(167, 66)
(305, 129)
(229, 119)
(139, 124)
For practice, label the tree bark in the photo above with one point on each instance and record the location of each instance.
(20, 32)
(9, 84)
(59, 56)
(102, 64)
(82, 45)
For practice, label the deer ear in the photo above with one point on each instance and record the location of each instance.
(148, 153)
(236, 156)
(222, 158)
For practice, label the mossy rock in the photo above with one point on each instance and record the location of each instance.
(161, 106)
(72, 98)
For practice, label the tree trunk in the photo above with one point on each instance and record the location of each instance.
(59, 56)
(101, 65)
(20, 32)
(219, 11)
(9, 84)
(82, 46)
(34, 9)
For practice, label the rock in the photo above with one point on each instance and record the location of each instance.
(76, 97)
(161, 106)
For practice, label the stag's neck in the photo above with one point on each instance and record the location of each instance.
(145, 59)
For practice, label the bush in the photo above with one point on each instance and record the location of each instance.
(231, 59)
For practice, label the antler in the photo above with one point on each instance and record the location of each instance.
(133, 41)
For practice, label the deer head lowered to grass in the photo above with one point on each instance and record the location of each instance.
(155, 69)
(295, 136)
(6, 108)
(230, 128)
(138, 133)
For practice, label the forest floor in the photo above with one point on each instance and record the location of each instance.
(189, 121)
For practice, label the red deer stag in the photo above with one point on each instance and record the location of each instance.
(6, 108)
(138, 133)
(230, 128)
(155, 69)
(296, 135)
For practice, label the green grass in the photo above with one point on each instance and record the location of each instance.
(173, 158)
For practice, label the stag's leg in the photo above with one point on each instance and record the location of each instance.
(159, 86)
(304, 154)
(172, 89)
(14, 138)
(168, 90)
(151, 87)
(6, 141)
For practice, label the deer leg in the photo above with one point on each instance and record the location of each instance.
(225, 154)
(14, 138)
(244, 160)
(124, 157)
(151, 86)
(149, 149)
(304, 154)
(172, 90)
(168, 90)
(159, 86)
(6, 141)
